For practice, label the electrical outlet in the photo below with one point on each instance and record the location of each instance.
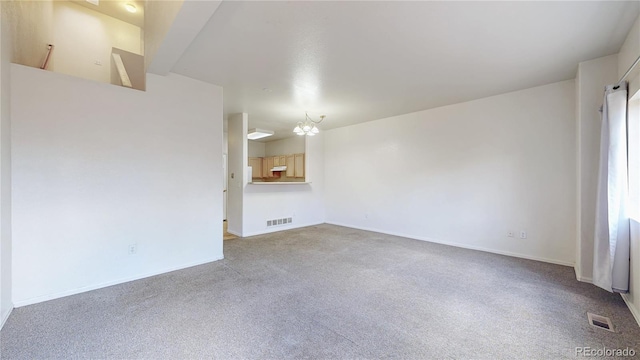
(510, 233)
(133, 249)
(523, 234)
(98, 62)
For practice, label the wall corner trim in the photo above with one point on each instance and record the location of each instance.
(463, 246)
(278, 229)
(581, 278)
(5, 317)
(236, 233)
(47, 297)
(634, 311)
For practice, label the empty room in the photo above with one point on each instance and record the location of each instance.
(191, 179)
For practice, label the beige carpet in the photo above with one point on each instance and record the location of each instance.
(329, 292)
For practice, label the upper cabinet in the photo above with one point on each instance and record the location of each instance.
(299, 165)
(290, 161)
(285, 155)
(270, 164)
(293, 163)
(265, 168)
(256, 165)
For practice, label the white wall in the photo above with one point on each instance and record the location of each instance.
(250, 205)
(464, 174)
(303, 202)
(158, 19)
(225, 172)
(238, 162)
(291, 145)
(591, 79)
(633, 297)
(30, 28)
(629, 52)
(82, 36)
(98, 167)
(6, 304)
(256, 148)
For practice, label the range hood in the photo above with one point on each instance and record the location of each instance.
(279, 168)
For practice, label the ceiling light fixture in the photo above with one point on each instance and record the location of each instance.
(308, 126)
(258, 134)
(130, 8)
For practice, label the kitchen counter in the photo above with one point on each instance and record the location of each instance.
(278, 183)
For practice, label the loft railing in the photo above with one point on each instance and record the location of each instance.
(122, 71)
(45, 63)
(127, 69)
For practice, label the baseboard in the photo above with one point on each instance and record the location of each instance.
(581, 278)
(234, 233)
(39, 299)
(634, 311)
(278, 229)
(464, 246)
(5, 317)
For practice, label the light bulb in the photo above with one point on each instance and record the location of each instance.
(314, 130)
(310, 134)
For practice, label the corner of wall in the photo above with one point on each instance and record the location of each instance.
(634, 310)
(238, 160)
(5, 316)
(578, 250)
(592, 76)
(6, 54)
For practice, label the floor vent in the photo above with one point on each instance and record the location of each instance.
(278, 222)
(600, 322)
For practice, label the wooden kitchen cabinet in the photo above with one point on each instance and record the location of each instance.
(299, 165)
(256, 167)
(291, 165)
(265, 168)
(270, 165)
(261, 167)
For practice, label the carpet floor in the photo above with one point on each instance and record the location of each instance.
(330, 292)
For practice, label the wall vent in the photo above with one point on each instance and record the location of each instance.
(600, 322)
(279, 222)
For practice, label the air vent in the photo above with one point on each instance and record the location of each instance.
(279, 222)
(600, 322)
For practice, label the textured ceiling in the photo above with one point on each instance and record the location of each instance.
(360, 61)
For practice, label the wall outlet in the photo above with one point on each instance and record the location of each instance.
(133, 249)
(523, 234)
(98, 62)
(510, 233)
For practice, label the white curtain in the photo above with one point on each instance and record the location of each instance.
(611, 248)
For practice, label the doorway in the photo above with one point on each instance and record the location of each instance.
(225, 234)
